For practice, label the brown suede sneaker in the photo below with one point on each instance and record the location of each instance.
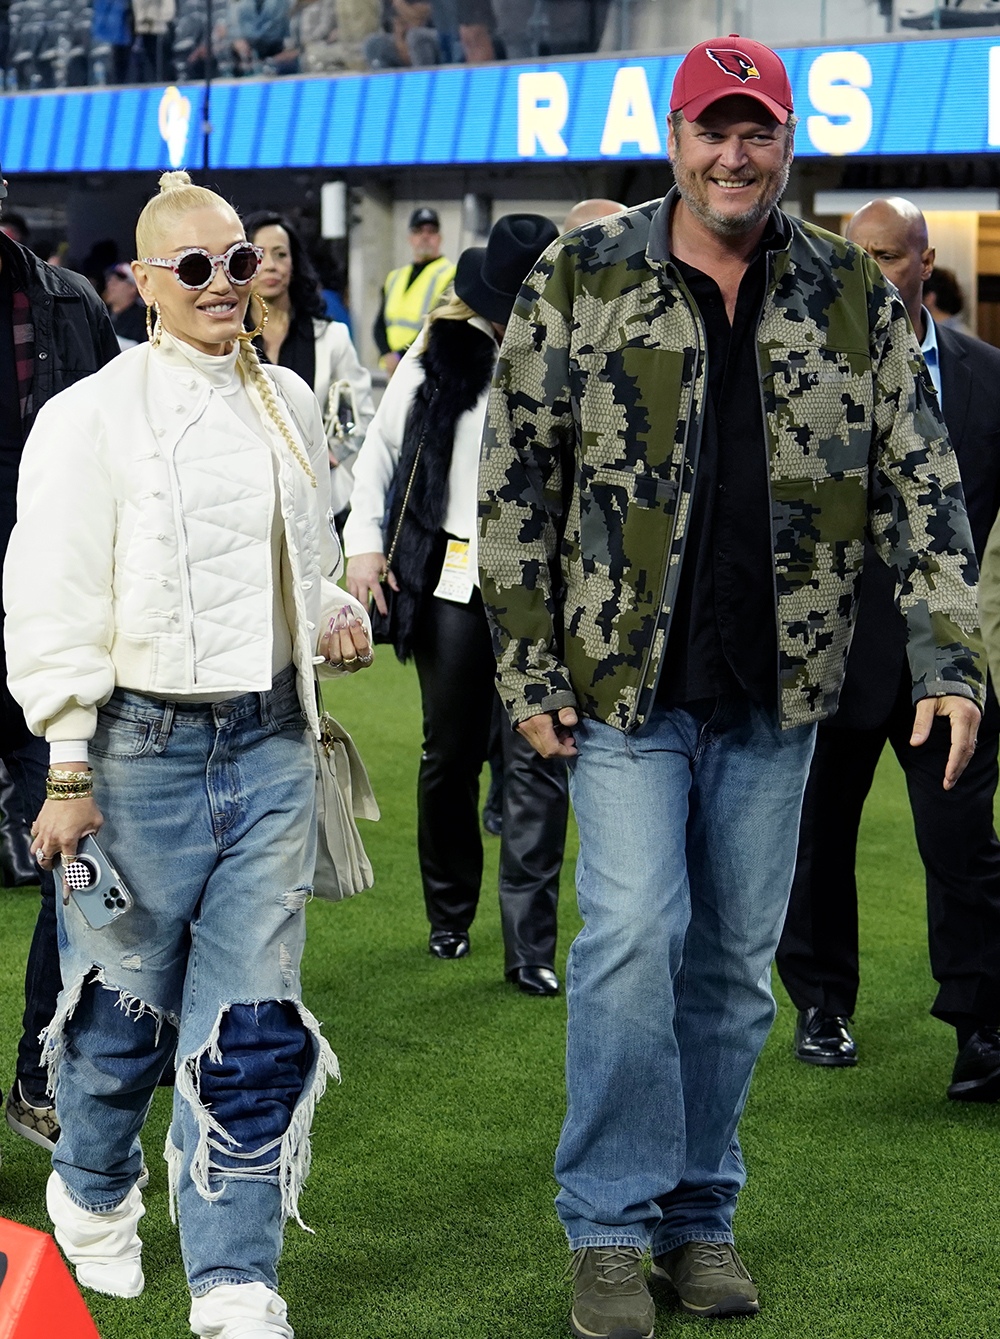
(610, 1296)
(709, 1279)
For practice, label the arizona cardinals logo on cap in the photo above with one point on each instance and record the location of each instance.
(735, 63)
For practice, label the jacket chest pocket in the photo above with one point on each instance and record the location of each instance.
(819, 532)
(630, 406)
(622, 524)
(820, 403)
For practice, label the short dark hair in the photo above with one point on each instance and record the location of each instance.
(945, 287)
(304, 289)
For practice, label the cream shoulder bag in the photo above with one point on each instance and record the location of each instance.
(343, 795)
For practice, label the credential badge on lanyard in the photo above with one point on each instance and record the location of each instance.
(456, 584)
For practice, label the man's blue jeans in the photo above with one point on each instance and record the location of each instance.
(209, 815)
(687, 848)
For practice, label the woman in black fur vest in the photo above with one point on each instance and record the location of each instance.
(413, 526)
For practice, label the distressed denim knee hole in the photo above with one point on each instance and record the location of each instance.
(294, 899)
(290, 1064)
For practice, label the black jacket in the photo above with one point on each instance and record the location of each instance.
(73, 332)
(970, 395)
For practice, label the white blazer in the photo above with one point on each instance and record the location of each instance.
(337, 360)
(141, 556)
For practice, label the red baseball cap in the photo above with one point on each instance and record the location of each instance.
(728, 65)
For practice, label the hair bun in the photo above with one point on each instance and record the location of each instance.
(173, 181)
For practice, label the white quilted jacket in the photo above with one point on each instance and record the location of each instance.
(141, 557)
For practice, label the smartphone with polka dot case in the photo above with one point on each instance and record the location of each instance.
(94, 885)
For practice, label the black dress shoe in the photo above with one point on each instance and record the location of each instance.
(824, 1039)
(977, 1069)
(449, 943)
(492, 820)
(535, 980)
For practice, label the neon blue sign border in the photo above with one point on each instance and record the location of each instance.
(917, 97)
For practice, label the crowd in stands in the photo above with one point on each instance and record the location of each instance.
(61, 43)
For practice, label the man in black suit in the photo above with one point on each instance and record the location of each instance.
(818, 954)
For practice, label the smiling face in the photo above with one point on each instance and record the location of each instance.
(210, 318)
(731, 165)
(275, 273)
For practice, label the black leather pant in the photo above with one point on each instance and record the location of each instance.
(456, 667)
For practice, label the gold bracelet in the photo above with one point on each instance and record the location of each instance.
(63, 784)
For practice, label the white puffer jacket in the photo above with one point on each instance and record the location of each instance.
(141, 556)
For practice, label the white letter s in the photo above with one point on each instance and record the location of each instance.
(836, 80)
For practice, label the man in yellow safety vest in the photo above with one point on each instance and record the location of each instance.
(411, 291)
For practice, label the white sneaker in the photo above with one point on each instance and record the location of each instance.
(104, 1247)
(240, 1311)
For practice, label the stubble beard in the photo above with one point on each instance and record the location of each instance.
(694, 192)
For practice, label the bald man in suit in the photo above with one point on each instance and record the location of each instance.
(818, 954)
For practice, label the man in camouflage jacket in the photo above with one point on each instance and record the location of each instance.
(604, 415)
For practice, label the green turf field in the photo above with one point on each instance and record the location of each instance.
(871, 1209)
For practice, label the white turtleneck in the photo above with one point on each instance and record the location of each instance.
(223, 374)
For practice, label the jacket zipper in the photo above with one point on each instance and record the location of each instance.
(190, 595)
(304, 642)
(768, 262)
(641, 696)
(181, 524)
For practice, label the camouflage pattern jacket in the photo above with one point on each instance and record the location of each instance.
(591, 451)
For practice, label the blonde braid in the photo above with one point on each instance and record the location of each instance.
(262, 382)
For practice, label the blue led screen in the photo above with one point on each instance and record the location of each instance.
(931, 96)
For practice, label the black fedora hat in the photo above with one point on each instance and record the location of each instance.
(488, 278)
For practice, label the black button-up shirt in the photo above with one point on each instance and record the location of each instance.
(723, 634)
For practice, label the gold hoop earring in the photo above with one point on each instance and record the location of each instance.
(154, 339)
(251, 335)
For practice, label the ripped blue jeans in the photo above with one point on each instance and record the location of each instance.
(209, 818)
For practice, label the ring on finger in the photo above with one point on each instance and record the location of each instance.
(351, 660)
(366, 660)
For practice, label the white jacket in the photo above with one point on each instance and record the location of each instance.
(337, 360)
(141, 556)
(376, 462)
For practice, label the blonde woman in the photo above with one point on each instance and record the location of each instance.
(421, 458)
(173, 510)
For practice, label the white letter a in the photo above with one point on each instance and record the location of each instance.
(630, 118)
